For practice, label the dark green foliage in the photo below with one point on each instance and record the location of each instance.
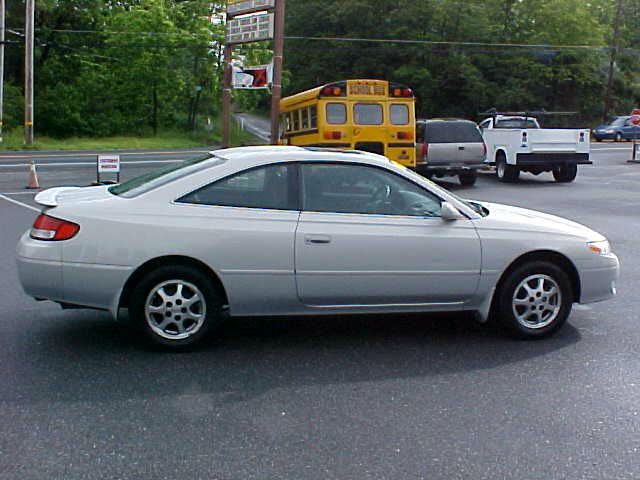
(117, 78)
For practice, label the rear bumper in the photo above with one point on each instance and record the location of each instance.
(599, 282)
(44, 276)
(551, 159)
(448, 167)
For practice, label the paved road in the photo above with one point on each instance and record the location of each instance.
(433, 397)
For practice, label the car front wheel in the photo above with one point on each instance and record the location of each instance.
(176, 306)
(534, 300)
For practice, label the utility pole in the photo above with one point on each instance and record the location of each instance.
(1, 66)
(278, 50)
(226, 96)
(28, 72)
(615, 46)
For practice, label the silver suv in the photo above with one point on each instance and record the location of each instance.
(449, 147)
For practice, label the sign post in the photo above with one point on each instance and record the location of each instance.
(253, 21)
(108, 164)
(635, 120)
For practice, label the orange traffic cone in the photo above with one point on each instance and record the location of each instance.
(33, 177)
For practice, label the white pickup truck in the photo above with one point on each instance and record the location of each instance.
(517, 144)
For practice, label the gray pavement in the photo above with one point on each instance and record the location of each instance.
(380, 397)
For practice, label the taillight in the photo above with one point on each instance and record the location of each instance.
(425, 149)
(53, 229)
(332, 135)
(524, 137)
(404, 135)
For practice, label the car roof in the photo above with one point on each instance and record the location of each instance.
(428, 120)
(277, 153)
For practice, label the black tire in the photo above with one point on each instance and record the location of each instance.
(468, 179)
(565, 173)
(505, 308)
(211, 304)
(598, 139)
(506, 173)
(618, 137)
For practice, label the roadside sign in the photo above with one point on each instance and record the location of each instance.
(259, 77)
(635, 116)
(252, 28)
(240, 7)
(108, 164)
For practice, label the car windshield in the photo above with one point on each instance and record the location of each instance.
(517, 123)
(149, 181)
(618, 121)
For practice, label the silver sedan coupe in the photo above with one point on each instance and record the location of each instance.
(296, 231)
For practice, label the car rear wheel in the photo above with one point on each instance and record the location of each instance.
(565, 173)
(505, 172)
(534, 301)
(468, 179)
(176, 306)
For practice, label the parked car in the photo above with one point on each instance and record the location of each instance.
(296, 231)
(618, 129)
(449, 147)
(517, 144)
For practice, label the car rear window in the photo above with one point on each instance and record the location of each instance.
(149, 181)
(516, 123)
(452, 132)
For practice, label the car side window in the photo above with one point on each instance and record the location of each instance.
(268, 187)
(361, 189)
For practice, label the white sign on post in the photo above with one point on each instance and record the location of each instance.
(239, 7)
(252, 28)
(108, 164)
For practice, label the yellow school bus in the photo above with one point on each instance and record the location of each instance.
(371, 115)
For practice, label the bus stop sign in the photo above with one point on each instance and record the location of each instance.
(635, 116)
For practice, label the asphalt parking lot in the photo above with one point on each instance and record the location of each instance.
(433, 397)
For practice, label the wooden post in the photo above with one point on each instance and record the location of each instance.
(28, 72)
(278, 50)
(226, 97)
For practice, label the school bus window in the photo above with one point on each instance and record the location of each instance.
(313, 117)
(367, 114)
(399, 114)
(296, 120)
(305, 118)
(336, 113)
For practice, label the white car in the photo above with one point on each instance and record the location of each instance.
(296, 231)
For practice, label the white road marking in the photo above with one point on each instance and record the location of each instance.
(84, 164)
(11, 200)
(71, 154)
(31, 192)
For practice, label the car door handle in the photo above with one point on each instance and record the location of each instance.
(317, 239)
(460, 148)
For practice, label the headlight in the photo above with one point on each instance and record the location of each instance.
(601, 248)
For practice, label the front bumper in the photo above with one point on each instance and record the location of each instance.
(598, 282)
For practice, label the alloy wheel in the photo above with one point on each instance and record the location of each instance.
(536, 301)
(175, 309)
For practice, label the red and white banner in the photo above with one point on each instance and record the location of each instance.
(253, 78)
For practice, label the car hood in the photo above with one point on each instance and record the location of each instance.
(604, 127)
(522, 219)
(57, 196)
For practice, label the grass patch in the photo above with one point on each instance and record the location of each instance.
(14, 140)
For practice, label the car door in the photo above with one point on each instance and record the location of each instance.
(243, 226)
(368, 236)
(470, 146)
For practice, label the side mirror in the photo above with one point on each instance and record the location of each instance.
(448, 212)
